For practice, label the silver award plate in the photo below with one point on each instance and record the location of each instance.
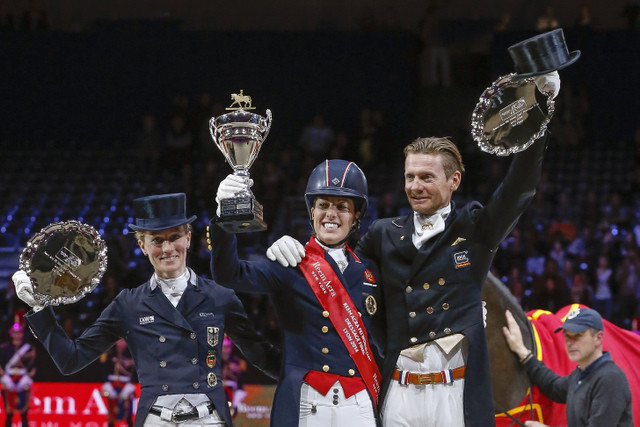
(508, 118)
(65, 261)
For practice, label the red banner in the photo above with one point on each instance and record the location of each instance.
(68, 405)
(82, 405)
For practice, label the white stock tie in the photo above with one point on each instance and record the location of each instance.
(426, 228)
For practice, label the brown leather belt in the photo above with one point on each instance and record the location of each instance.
(441, 377)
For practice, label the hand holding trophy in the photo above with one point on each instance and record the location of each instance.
(60, 264)
(508, 118)
(239, 135)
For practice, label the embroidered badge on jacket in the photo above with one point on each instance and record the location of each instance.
(212, 335)
(461, 259)
(146, 319)
(369, 276)
(211, 358)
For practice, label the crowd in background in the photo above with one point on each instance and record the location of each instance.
(575, 243)
(578, 242)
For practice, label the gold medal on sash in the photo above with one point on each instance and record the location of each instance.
(371, 305)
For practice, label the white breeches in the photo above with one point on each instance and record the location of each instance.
(334, 410)
(428, 405)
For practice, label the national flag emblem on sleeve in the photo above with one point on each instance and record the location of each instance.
(369, 276)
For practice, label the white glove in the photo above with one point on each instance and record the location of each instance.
(7, 382)
(25, 383)
(287, 251)
(24, 289)
(484, 313)
(108, 391)
(230, 186)
(127, 391)
(549, 83)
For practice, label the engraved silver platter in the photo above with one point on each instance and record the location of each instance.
(508, 118)
(65, 261)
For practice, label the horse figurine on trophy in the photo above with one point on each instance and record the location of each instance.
(243, 101)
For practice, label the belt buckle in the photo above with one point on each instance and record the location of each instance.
(426, 379)
(181, 416)
(176, 417)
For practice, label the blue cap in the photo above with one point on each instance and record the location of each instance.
(581, 319)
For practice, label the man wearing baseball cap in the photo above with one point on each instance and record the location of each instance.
(597, 392)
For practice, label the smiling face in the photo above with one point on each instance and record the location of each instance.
(583, 347)
(167, 250)
(426, 184)
(333, 218)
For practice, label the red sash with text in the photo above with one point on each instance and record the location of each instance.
(343, 314)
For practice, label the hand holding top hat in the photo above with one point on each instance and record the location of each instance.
(508, 118)
(542, 54)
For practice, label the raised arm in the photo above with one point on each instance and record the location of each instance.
(71, 356)
(513, 195)
(229, 271)
(517, 189)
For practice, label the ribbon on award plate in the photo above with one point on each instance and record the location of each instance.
(65, 261)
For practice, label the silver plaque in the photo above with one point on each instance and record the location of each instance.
(65, 261)
(508, 117)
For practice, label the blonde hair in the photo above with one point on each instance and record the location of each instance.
(140, 234)
(452, 159)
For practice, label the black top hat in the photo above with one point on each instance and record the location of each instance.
(160, 212)
(542, 54)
